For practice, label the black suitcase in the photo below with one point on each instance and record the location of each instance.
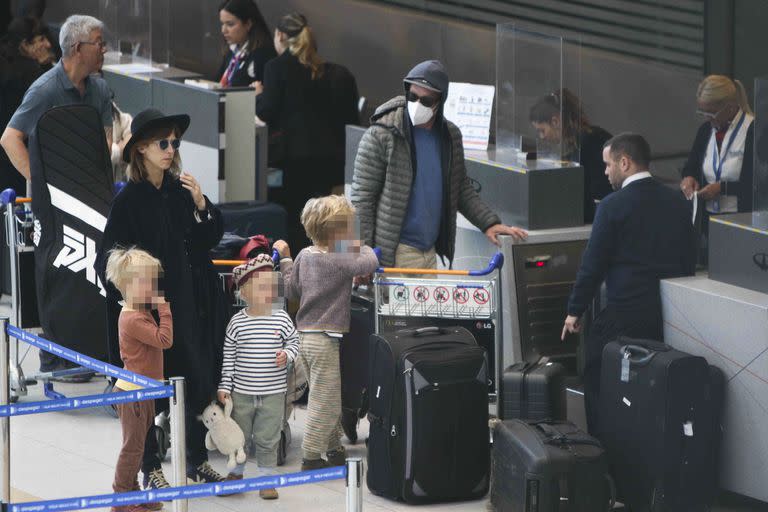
(548, 467)
(354, 354)
(659, 421)
(429, 438)
(248, 218)
(533, 391)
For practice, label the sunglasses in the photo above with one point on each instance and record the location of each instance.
(164, 143)
(427, 101)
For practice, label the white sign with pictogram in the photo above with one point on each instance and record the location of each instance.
(441, 299)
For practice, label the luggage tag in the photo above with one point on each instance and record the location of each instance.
(625, 368)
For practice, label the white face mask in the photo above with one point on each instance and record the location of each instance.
(419, 113)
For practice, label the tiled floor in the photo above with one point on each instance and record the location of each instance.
(73, 453)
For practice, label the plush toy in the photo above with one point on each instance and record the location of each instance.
(224, 433)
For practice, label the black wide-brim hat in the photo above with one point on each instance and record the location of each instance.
(149, 119)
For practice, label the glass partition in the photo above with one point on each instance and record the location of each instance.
(538, 85)
(137, 31)
(760, 190)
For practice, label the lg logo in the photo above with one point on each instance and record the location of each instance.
(79, 253)
(761, 260)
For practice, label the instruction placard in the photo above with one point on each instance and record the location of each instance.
(469, 106)
(459, 300)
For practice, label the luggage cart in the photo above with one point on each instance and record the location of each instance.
(412, 298)
(297, 382)
(19, 232)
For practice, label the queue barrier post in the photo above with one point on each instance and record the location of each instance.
(178, 439)
(5, 422)
(354, 484)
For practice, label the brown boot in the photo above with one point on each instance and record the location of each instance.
(337, 457)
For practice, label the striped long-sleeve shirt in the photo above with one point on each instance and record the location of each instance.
(250, 351)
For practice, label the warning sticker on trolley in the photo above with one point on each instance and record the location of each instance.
(439, 300)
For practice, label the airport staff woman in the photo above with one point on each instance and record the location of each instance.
(559, 119)
(298, 103)
(164, 212)
(249, 41)
(720, 163)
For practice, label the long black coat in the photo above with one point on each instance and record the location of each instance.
(162, 222)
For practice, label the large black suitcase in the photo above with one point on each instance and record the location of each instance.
(354, 354)
(533, 391)
(429, 438)
(542, 466)
(659, 421)
(248, 218)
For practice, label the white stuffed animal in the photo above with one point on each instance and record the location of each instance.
(224, 433)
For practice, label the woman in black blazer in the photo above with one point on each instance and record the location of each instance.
(248, 38)
(306, 103)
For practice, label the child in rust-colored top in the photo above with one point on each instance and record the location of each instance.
(135, 274)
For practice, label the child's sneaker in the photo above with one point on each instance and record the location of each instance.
(337, 457)
(268, 494)
(310, 464)
(152, 505)
(204, 474)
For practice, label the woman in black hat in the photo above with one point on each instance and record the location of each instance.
(163, 211)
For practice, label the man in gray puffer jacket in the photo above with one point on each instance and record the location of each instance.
(410, 178)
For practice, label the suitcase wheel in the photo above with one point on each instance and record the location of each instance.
(163, 441)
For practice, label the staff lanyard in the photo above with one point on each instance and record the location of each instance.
(236, 58)
(718, 167)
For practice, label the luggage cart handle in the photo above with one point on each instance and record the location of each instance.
(495, 263)
(234, 263)
(8, 196)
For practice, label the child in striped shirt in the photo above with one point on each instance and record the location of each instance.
(260, 341)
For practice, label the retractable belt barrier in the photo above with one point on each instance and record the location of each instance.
(151, 389)
(185, 492)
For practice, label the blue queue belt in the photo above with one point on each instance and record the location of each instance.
(85, 402)
(79, 359)
(182, 493)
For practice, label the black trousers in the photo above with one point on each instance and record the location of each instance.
(607, 327)
(195, 431)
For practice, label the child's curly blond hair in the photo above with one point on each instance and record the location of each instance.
(321, 216)
(123, 264)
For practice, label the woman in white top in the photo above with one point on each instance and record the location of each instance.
(719, 167)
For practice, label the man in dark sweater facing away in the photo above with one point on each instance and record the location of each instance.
(642, 233)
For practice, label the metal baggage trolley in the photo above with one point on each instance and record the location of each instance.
(413, 298)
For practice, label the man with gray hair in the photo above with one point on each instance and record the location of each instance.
(69, 82)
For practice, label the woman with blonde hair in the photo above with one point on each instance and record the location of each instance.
(163, 211)
(306, 102)
(719, 167)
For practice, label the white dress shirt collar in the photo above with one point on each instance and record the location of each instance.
(636, 177)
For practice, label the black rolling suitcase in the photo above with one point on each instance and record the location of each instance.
(354, 354)
(429, 439)
(248, 218)
(533, 391)
(659, 422)
(543, 466)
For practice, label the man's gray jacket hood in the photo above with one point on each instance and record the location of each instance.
(385, 166)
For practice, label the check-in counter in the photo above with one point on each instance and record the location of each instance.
(728, 325)
(223, 148)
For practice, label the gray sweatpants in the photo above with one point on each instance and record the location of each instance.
(260, 417)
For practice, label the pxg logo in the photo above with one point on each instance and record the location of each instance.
(761, 260)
